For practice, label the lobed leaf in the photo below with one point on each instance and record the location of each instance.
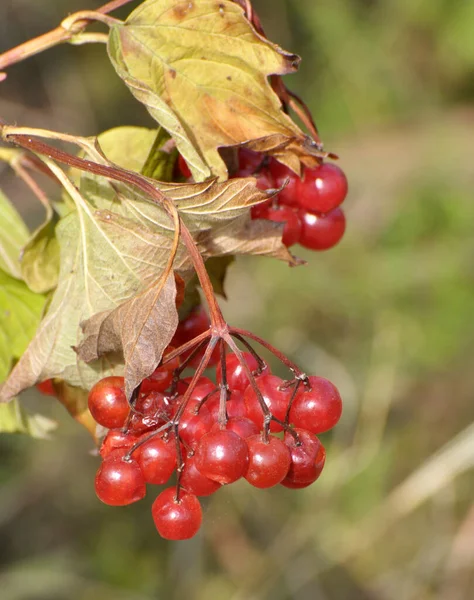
(114, 253)
(201, 70)
(141, 328)
(20, 313)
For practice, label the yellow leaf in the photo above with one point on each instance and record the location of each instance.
(202, 71)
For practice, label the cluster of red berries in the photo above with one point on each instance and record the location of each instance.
(309, 207)
(222, 432)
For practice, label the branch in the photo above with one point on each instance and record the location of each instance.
(65, 32)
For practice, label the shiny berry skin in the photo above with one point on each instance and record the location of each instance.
(235, 406)
(194, 482)
(156, 459)
(292, 229)
(274, 396)
(316, 408)
(116, 439)
(282, 175)
(322, 188)
(107, 402)
(307, 458)
(222, 456)
(176, 519)
(236, 377)
(203, 387)
(195, 422)
(242, 426)
(322, 231)
(269, 462)
(119, 482)
(159, 381)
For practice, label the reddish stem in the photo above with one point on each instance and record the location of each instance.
(52, 38)
(286, 361)
(266, 412)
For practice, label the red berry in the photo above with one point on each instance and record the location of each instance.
(322, 231)
(249, 162)
(235, 406)
(290, 484)
(159, 381)
(316, 408)
(281, 174)
(203, 387)
(152, 404)
(116, 439)
(162, 376)
(169, 365)
(108, 403)
(275, 397)
(176, 519)
(157, 460)
(237, 379)
(322, 188)
(242, 426)
(268, 461)
(183, 167)
(194, 324)
(222, 456)
(258, 211)
(46, 387)
(285, 214)
(150, 411)
(307, 458)
(119, 482)
(193, 481)
(195, 422)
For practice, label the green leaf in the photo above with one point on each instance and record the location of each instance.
(160, 161)
(20, 313)
(13, 236)
(14, 419)
(40, 260)
(201, 70)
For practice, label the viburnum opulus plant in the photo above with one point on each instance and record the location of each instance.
(100, 306)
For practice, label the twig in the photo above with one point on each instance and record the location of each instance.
(60, 35)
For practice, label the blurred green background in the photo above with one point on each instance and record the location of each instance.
(387, 315)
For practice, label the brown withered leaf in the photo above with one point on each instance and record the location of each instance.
(141, 328)
(260, 238)
(201, 70)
